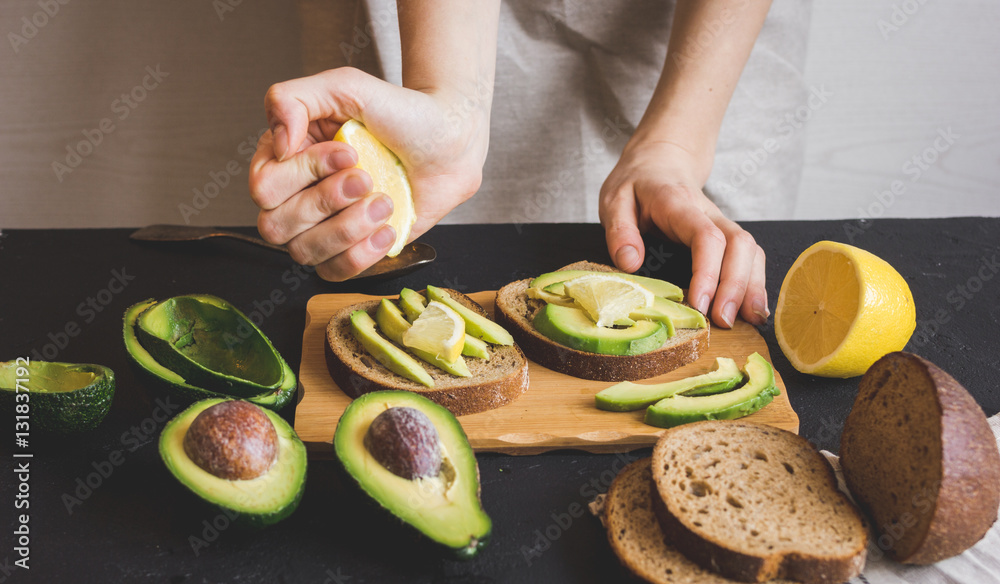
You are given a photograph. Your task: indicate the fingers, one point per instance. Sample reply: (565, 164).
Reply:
(292, 105)
(619, 217)
(313, 205)
(273, 182)
(741, 285)
(357, 233)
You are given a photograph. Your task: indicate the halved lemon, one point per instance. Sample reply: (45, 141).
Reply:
(388, 176)
(608, 298)
(840, 309)
(439, 330)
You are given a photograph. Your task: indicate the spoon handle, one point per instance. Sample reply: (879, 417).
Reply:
(252, 239)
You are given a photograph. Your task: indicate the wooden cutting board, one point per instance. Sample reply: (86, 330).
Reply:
(556, 412)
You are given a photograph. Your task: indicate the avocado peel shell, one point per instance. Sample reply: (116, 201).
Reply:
(165, 379)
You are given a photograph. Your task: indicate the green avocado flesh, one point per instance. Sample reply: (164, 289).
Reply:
(667, 311)
(413, 303)
(395, 359)
(758, 391)
(61, 397)
(476, 324)
(445, 508)
(259, 501)
(393, 324)
(657, 287)
(211, 344)
(177, 385)
(628, 396)
(573, 328)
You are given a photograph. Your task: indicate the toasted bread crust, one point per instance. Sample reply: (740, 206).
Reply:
(831, 516)
(494, 383)
(954, 503)
(515, 312)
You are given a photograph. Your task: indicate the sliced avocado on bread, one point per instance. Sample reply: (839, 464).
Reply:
(520, 303)
(920, 459)
(494, 375)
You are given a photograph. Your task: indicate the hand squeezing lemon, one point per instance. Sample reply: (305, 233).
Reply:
(388, 176)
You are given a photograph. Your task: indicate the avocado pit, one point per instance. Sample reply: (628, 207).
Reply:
(232, 440)
(405, 441)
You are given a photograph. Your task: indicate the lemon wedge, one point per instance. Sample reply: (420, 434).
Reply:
(388, 176)
(840, 309)
(438, 330)
(608, 298)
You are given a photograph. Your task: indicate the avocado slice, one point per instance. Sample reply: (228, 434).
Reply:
(628, 396)
(446, 508)
(178, 386)
(259, 501)
(64, 397)
(413, 303)
(679, 315)
(573, 328)
(657, 287)
(390, 320)
(476, 324)
(758, 391)
(395, 359)
(211, 344)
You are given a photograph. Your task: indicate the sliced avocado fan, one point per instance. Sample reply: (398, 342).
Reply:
(61, 397)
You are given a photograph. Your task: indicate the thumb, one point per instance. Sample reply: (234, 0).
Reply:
(291, 105)
(619, 217)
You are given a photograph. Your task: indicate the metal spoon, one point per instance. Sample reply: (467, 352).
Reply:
(412, 257)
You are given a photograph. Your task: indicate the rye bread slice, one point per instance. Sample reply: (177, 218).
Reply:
(920, 459)
(516, 312)
(636, 537)
(755, 503)
(495, 382)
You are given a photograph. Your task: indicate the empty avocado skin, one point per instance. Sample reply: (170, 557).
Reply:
(444, 508)
(176, 385)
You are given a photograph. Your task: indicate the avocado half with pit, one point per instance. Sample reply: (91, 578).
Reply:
(189, 390)
(242, 458)
(413, 458)
(56, 397)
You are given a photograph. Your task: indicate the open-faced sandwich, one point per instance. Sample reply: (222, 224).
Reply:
(592, 321)
(440, 344)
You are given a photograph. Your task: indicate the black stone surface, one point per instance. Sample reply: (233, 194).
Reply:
(134, 523)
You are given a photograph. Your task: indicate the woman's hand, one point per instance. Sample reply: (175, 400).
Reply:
(659, 184)
(313, 199)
